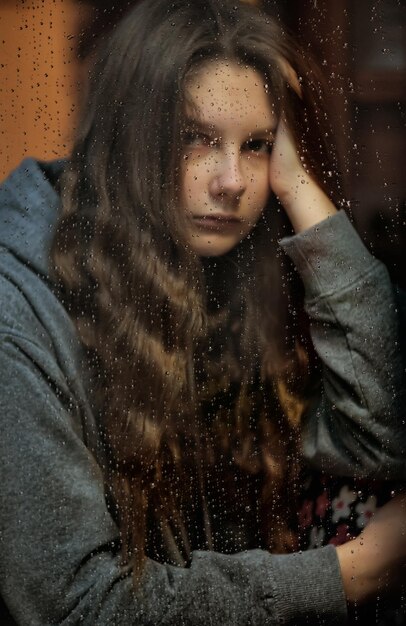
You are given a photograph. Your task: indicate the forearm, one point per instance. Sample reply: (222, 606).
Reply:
(355, 424)
(370, 563)
(362, 579)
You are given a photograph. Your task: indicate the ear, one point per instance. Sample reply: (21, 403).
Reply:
(290, 75)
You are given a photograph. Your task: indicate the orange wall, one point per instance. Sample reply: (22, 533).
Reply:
(38, 78)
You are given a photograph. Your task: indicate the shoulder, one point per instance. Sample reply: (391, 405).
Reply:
(45, 379)
(36, 332)
(28, 305)
(29, 208)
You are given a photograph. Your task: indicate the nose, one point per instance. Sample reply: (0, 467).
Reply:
(228, 179)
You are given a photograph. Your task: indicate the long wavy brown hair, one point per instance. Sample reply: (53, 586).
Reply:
(204, 365)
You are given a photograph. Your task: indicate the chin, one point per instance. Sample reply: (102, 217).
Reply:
(211, 248)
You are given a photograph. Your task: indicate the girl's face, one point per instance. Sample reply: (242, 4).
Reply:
(227, 145)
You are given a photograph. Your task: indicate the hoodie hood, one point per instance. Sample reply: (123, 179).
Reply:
(29, 208)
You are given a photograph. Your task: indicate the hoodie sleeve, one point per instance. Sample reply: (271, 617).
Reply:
(59, 561)
(356, 426)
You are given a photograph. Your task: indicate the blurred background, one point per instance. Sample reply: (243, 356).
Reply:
(46, 48)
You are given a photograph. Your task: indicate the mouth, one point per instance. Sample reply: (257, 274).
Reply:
(216, 221)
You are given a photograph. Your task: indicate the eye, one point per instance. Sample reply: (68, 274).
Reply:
(258, 146)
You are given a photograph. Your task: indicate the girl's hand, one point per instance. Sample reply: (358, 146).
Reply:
(286, 170)
(302, 198)
(371, 563)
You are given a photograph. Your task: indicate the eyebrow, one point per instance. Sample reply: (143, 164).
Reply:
(195, 122)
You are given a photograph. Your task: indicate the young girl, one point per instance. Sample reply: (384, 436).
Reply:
(160, 390)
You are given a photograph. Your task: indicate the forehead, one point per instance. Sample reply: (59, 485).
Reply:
(222, 92)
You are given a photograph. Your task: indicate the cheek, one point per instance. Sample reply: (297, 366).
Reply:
(188, 185)
(258, 188)
(194, 178)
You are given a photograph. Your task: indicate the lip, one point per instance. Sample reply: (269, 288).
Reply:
(216, 221)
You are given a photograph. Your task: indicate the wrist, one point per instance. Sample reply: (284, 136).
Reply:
(365, 570)
(305, 203)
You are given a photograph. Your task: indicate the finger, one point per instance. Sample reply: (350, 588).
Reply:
(290, 75)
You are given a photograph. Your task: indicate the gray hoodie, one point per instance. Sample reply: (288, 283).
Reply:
(59, 560)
